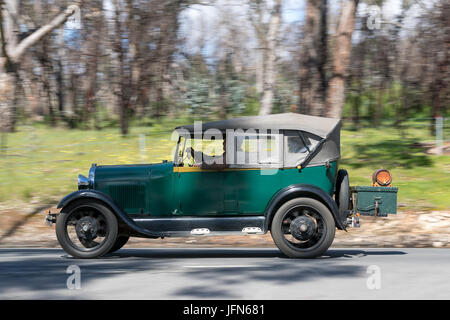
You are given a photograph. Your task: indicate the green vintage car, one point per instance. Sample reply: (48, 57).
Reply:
(240, 176)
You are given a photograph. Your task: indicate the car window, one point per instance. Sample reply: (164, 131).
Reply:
(257, 150)
(295, 145)
(295, 148)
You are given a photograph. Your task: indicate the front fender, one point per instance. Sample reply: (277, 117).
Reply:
(302, 190)
(117, 210)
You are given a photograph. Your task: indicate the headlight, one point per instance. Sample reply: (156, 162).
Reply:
(87, 183)
(83, 182)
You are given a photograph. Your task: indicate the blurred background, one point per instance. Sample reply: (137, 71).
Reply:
(106, 81)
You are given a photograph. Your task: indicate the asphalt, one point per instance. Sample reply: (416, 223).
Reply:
(230, 273)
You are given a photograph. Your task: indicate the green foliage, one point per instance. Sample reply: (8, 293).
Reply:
(205, 97)
(198, 96)
(251, 106)
(391, 102)
(283, 100)
(236, 96)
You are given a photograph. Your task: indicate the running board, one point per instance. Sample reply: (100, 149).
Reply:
(189, 226)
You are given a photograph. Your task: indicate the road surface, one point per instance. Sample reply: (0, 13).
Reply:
(231, 273)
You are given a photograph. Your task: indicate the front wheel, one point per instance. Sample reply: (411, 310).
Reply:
(303, 228)
(86, 229)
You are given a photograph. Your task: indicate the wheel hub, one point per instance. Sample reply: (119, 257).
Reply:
(303, 228)
(87, 228)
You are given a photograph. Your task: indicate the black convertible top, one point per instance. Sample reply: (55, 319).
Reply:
(320, 126)
(327, 129)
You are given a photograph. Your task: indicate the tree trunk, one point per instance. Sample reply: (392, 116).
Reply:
(60, 75)
(379, 106)
(357, 105)
(312, 79)
(124, 116)
(166, 47)
(46, 66)
(439, 84)
(91, 81)
(260, 71)
(125, 60)
(75, 119)
(342, 48)
(7, 88)
(60, 88)
(8, 31)
(270, 74)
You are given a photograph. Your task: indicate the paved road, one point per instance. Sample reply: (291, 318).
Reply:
(228, 274)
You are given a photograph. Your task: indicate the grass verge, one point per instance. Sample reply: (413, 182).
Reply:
(43, 163)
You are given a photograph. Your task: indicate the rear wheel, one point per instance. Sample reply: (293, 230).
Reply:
(86, 229)
(303, 228)
(120, 242)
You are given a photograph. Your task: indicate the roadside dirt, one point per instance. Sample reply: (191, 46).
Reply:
(25, 227)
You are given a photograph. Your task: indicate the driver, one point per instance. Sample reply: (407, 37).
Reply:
(206, 161)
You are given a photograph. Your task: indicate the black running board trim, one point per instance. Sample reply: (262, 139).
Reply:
(182, 226)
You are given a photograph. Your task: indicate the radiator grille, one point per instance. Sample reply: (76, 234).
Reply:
(128, 196)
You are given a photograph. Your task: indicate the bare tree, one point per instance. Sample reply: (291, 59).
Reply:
(92, 55)
(441, 59)
(267, 34)
(124, 88)
(313, 58)
(13, 50)
(341, 56)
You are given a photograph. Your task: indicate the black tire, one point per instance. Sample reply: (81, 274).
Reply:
(324, 228)
(342, 195)
(120, 242)
(70, 217)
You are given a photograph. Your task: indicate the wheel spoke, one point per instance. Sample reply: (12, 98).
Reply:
(311, 215)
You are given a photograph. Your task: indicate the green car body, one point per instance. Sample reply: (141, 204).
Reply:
(165, 190)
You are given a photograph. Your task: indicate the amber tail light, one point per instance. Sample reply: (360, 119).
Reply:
(382, 178)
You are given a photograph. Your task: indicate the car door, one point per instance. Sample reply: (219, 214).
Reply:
(198, 191)
(256, 174)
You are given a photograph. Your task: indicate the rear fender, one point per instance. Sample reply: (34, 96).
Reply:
(302, 190)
